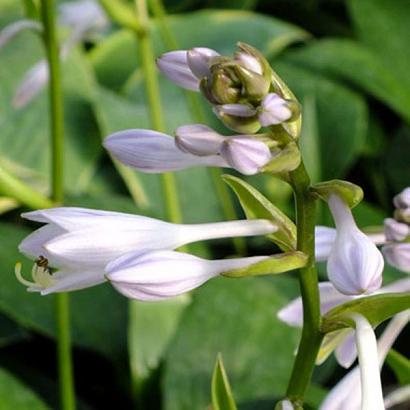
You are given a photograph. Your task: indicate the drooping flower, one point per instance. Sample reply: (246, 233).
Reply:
(12, 29)
(342, 342)
(158, 275)
(79, 242)
(154, 152)
(347, 394)
(355, 265)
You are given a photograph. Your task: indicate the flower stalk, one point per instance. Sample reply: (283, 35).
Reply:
(308, 282)
(67, 395)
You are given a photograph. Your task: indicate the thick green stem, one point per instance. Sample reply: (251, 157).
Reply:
(57, 187)
(308, 282)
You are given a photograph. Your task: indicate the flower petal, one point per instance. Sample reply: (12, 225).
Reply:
(154, 152)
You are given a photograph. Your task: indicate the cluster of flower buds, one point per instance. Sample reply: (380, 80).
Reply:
(245, 92)
(397, 232)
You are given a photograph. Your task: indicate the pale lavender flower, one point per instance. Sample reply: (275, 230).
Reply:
(160, 275)
(198, 139)
(355, 265)
(234, 110)
(246, 155)
(186, 68)
(151, 151)
(397, 254)
(395, 231)
(343, 341)
(273, 110)
(250, 62)
(79, 242)
(402, 200)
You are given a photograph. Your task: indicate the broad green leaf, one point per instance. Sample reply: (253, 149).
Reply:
(151, 328)
(372, 73)
(375, 309)
(255, 205)
(341, 117)
(383, 26)
(14, 395)
(238, 319)
(25, 138)
(222, 397)
(280, 263)
(400, 366)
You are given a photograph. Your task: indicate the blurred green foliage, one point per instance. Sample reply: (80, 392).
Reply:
(348, 62)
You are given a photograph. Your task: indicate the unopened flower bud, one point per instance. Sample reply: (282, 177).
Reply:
(247, 155)
(174, 65)
(398, 255)
(355, 264)
(274, 110)
(250, 62)
(238, 117)
(198, 139)
(402, 200)
(395, 231)
(254, 86)
(199, 59)
(285, 405)
(402, 215)
(221, 89)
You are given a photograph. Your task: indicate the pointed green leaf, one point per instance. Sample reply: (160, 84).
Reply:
(255, 205)
(222, 398)
(400, 366)
(280, 263)
(375, 309)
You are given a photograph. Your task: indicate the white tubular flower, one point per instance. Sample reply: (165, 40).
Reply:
(341, 342)
(79, 242)
(246, 155)
(198, 139)
(347, 394)
(402, 200)
(11, 30)
(273, 110)
(160, 275)
(186, 68)
(371, 385)
(398, 255)
(355, 265)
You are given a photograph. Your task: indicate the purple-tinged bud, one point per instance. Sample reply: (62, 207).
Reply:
(246, 155)
(402, 200)
(395, 231)
(355, 265)
(199, 59)
(198, 139)
(402, 215)
(250, 62)
(174, 65)
(398, 255)
(235, 110)
(274, 110)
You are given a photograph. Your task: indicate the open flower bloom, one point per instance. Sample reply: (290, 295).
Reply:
(158, 275)
(187, 67)
(79, 242)
(347, 394)
(154, 152)
(355, 265)
(342, 342)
